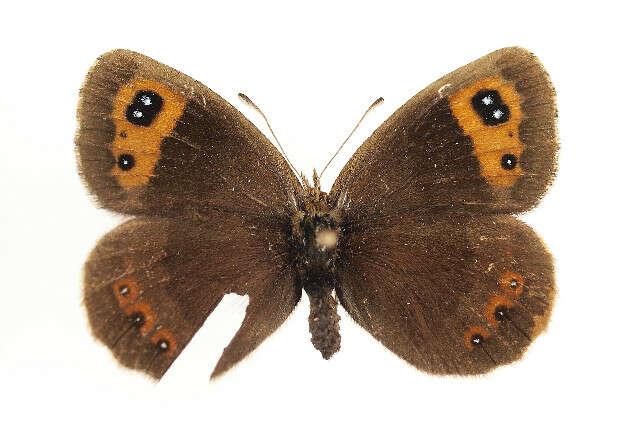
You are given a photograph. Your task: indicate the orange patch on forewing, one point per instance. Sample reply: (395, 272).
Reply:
(125, 290)
(491, 143)
(490, 308)
(145, 309)
(474, 330)
(511, 283)
(142, 142)
(167, 336)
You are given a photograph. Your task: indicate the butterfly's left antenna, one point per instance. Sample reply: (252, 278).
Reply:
(373, 105)
(248, 101)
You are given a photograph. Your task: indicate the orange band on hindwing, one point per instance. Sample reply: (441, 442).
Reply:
(489, 112)
(144, 112)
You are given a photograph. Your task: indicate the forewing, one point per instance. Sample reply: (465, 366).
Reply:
(151, 283)
(481, 140)
(153, 141)
(451, 296)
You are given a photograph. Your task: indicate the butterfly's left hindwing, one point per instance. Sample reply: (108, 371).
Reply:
(450, 296)
(151, 283)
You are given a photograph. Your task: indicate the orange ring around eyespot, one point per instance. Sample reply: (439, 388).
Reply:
(490, 308)
(165, 334)
(145, 309)
(505, 280)
(474, 330)
(132, 290)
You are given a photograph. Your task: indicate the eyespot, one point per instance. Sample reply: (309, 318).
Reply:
(144, 108)
(125, 290)
(142, 316)
(164, 341)
(474, 336)
(509, 162)
(511, 283)
(496, 308)
(489, 106)
(126, 162)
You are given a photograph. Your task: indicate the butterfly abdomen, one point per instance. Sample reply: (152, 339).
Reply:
(316, 237)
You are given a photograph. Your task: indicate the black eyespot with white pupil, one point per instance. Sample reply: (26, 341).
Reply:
(477, 339)
(124, 290)
(144, 108)
(126, 162)
(509, 161)
(138, 319)
(513, 284)
(500, 313)
(163, 345)
(489, 106)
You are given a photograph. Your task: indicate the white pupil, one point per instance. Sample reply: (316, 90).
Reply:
(137, 114)
(497, 114)
(146, 100)
(487, 100)
(163, 345)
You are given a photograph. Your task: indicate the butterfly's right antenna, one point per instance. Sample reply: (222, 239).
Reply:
(373, 105)
(248, 101)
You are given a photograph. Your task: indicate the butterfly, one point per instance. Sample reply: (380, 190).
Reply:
(417, 238)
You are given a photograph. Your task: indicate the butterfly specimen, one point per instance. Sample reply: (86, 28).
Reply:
(417, 236)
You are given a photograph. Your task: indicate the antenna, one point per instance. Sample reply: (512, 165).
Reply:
(373, 105)
(248, 101)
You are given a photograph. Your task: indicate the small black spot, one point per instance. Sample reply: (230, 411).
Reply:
(144, 107)
(124, 290)
(126, 162)
(138, 319)
(514, 283)
(510, 134)
(163, 345)
(500, 313)
(123, 134)
(489, 105)
(509, 161)
(477, 339)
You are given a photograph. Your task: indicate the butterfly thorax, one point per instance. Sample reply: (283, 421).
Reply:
(316, 237)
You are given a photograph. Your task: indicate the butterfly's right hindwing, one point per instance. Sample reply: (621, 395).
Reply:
(452, 296)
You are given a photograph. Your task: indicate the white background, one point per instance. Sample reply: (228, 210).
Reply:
(314, 69)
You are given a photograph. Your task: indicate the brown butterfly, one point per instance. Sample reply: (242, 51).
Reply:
(416, 236)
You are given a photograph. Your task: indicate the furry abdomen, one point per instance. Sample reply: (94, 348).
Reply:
(316, 237)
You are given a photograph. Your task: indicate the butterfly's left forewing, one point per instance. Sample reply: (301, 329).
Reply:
(153, 141)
